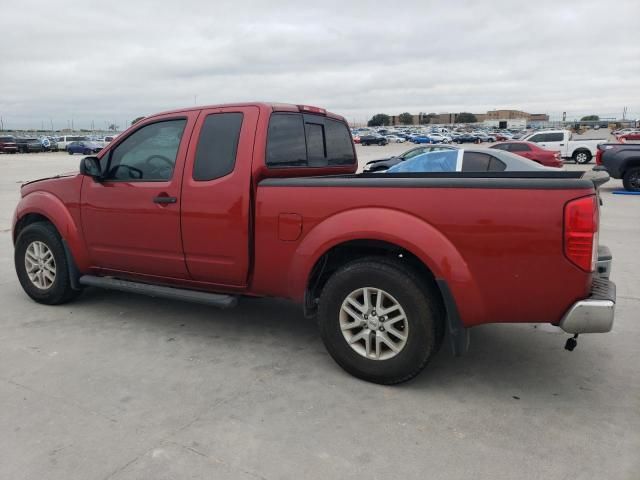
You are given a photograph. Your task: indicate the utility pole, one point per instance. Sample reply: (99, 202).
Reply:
(1, 125)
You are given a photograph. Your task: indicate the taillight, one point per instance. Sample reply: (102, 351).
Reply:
(581, 232)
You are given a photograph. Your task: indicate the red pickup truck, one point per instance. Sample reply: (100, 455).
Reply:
(214, 203)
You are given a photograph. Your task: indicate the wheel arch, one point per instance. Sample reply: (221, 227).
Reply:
(45, 207)
(349, 235)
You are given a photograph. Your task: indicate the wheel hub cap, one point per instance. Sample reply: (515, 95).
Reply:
(373, 323)
(40, 265)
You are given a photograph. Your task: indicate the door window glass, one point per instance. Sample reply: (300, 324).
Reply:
(148, 154)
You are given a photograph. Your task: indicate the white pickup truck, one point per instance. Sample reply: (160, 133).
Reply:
(581, 151)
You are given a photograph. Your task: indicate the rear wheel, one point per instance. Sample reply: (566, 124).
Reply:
(41, 265)
(582, 156)
(69, 152)
(631, 179)
(379, 321)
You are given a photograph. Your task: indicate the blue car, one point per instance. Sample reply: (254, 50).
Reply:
(83, 147)
(422, 139)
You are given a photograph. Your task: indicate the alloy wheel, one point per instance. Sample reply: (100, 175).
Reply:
(373, 323)
(40, 265)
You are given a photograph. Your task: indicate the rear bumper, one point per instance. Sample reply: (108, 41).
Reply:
(594, 314)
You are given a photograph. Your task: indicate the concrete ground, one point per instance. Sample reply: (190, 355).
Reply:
(118, 386)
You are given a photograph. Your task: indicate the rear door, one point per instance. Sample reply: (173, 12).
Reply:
(216, 198)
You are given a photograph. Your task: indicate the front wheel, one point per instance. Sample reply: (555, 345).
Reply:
(582, 156)
(379, 321)
(631, 179)
(69, 152)
(41, 265)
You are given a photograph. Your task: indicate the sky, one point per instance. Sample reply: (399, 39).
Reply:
(97, 63)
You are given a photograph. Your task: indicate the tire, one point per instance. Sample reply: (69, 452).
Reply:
(582, 156)
(423, 312)
(59, 290)
(631, 179)
(69, 152)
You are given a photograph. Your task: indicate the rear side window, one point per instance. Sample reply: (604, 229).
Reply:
(519, 147)
(296, 140)
(496, 165)
(475, 162)
(217, 146)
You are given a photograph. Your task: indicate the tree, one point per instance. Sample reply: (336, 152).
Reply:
(136, 120)
(113, 127)
(466, 117)
(406, 118)
(379, 119)
(590, 118)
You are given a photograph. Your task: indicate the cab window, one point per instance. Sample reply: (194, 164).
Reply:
(297, 140)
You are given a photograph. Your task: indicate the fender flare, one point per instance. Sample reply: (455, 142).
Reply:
(53, 209)
(396, 227)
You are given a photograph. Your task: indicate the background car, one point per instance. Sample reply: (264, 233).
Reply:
(49, 144)
(373, 140)
(8, 144)
(635, 135)
(439, 138)
(395, 139)
(83, 147)
(377, 166)
(28, 145)
(65, 140)
(532, 151)
(466, 138)
(422, 139)
(485, 137)
(473, 160)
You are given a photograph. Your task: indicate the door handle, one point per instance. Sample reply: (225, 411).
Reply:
(164, 199)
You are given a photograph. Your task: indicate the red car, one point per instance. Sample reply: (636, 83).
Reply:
(532, 151)
(8, 144)
(630, 136)
(213, 204)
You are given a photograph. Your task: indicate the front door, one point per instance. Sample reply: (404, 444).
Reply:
(131, 219)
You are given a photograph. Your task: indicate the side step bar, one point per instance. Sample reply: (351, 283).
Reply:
(213, 299)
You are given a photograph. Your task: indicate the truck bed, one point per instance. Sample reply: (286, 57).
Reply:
(496, 237)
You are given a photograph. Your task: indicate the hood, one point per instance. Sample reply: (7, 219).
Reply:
(31, 182)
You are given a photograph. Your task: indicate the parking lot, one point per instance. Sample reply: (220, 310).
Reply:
(118, 386)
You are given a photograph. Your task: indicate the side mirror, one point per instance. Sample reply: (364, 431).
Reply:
(90, 166)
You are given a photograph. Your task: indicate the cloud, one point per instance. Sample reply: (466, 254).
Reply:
(92, 61)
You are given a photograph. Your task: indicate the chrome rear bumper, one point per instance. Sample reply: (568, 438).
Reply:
(594, 314)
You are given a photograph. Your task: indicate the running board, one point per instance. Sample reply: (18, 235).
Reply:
(194, 296)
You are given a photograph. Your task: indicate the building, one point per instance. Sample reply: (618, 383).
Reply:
(498, 118)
